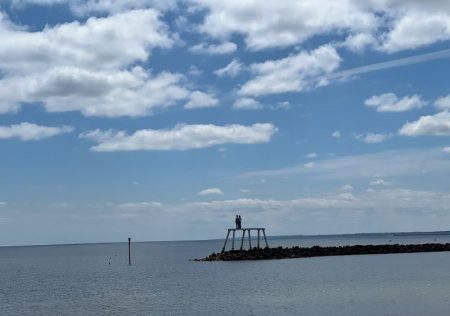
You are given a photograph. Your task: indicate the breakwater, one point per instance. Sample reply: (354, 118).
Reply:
(319, 251)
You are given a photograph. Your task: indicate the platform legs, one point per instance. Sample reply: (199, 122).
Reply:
(226, 240)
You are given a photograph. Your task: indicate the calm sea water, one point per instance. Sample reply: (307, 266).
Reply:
(95, 279)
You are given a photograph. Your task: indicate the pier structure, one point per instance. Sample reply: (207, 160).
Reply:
(244, 230)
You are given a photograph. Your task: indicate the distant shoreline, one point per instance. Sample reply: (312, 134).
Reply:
(393, 234)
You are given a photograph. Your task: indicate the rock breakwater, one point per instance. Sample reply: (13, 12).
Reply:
(319, 251)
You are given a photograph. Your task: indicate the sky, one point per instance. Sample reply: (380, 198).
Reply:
(161, 120)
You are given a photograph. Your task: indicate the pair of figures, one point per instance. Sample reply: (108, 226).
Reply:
(238, 221)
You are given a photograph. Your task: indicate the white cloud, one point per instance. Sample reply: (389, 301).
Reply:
(389, 102)
(347, 196)
(379, 182)
(87, 67)
(388, 25)
(446, 150)
(2, 203)
(232, 69)
(292, 74)
(85, 7)
(182, 137)
(310, 164)
(96, 93)
(346, 187)
(201, 100)
(358, 42)
(247, 104)
(211, 49)
(211, 191)
(443, 103)
(336, 134)
(274, 23)
(373, 138)
(109, 42)
(437, 125)
(28, 131)
(417, 28)
(194, 71)
(311, 155)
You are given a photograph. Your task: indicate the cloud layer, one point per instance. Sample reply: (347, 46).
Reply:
(182, 137)
(29, 131)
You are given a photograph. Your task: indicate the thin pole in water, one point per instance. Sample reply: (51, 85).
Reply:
(129, 251)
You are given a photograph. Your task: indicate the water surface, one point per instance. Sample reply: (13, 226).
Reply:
(95, 279)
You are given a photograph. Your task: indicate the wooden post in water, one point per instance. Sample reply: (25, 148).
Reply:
(232, 244)
(258, 238)
(225, 243)
(242, 240)
(129, 251)
(265, 239)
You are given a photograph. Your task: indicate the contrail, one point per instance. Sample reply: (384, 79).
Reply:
(445, 53)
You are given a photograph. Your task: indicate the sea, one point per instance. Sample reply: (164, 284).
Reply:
(95, 279)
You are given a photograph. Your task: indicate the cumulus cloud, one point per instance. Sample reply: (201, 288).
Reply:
(311, 155)
(358, 42)
(211, 191)
(109, 42)
(417, 28)
(443, 103)
(28, 131)
(389, 102)
(295, 73)
(446, 150)
(182, 137)
(87, 67)
(275, 23)
(232, 69)
(247, 104)
(436, 125)
(388, 26)
(201, 100)
(96, 93)
(212, 49)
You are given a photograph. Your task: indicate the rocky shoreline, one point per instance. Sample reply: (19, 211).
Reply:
(318, 251)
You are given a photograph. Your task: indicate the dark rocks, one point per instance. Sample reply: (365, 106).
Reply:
(318, 251)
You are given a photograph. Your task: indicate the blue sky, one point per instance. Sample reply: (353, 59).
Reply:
(161, 120)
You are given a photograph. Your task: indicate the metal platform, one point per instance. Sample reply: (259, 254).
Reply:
(248, 230)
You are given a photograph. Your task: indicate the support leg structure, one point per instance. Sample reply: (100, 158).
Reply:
(226, 239)
(265, 239)
(242, 240)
